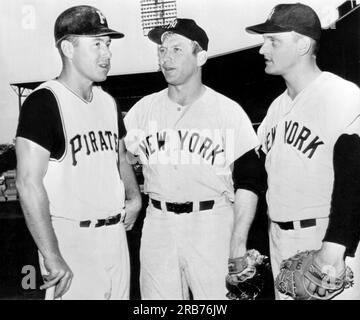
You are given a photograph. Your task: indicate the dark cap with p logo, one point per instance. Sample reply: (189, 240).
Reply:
(83, 21)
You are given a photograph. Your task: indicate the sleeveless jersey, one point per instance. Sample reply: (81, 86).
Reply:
(85, 182)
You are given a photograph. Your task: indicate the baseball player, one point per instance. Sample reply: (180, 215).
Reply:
(298, 136)
(187, 136)
(72, 175)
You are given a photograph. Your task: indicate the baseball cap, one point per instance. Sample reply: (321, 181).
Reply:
(185, 27)
(290, 17)
(83, 21)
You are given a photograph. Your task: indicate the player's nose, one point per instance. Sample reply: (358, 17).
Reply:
(106, 53)
(266, 47)
(262, 49)
(166, 57)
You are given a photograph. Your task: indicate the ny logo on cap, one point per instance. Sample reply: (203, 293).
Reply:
(101, 16)
(172, 24)
(271, 14)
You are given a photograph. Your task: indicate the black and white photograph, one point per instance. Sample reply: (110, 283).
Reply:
(180, 150)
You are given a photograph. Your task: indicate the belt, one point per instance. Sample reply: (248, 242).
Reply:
(101, 222)
(291, 225)
(185, 207)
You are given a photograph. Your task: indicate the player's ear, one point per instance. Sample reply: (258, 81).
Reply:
(201, 58)
(303, 45)
(67, 48)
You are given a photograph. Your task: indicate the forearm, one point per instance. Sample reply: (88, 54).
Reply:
(244, 212)
(132, 190)
(35, 206)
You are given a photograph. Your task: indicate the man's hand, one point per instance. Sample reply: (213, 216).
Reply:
(247, 276)
(331, 254)
(331, 258)
(307, 276)
(132, 209)
(60, 276)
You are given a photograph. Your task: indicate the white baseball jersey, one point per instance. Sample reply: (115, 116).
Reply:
(186, 154)
(187, 151)
(298, 137)
(354, 127)
(85, 184)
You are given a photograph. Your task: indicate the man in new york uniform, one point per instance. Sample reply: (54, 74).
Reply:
(187, 137)
(298, 136)
(72, 173)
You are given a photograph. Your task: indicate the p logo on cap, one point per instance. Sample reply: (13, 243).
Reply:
(101, 16)
(83, 21)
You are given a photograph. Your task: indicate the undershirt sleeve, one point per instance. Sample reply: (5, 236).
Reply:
(344, 223)
(121, 125)
(40, 122)
(249, 173)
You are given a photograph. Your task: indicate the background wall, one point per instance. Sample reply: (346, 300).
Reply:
(27, 51)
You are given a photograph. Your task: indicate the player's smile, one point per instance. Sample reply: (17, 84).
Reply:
(105, 65)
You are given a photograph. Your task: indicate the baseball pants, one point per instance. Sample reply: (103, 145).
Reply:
(98, 258)
(286, 243)
(185, 251)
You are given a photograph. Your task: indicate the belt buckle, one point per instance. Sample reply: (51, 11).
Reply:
(108, 221)
(184, 207)
(100, 223)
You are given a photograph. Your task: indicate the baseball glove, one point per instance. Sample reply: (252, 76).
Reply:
(302, 278)
(247, 276)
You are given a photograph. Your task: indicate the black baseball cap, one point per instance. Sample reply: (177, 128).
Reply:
(83, 21)
(290, 17)
(185, 27)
